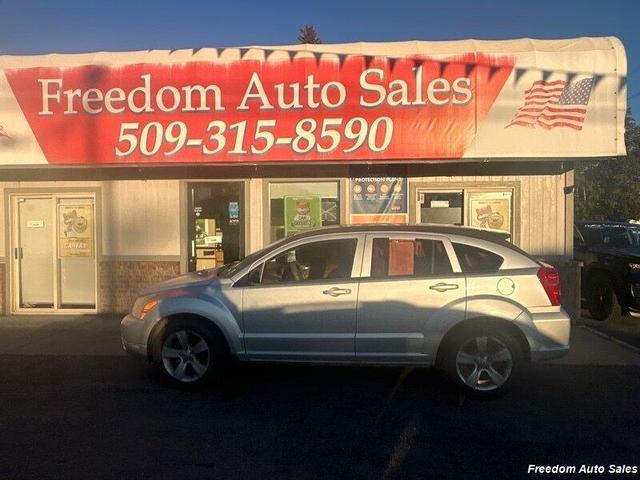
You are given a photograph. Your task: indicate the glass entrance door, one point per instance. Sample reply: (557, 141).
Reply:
(76, 263)
(216, 224)
(34, 253)
(53, 253)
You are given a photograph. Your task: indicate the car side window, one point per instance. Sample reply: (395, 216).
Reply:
(592, 235)
(324, 260)
(477, 260)
(409, 258)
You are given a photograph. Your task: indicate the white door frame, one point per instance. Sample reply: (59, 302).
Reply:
(15, 244)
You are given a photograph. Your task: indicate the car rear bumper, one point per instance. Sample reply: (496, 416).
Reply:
(550, 335)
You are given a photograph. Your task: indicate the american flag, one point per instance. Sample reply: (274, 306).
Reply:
(554, 104)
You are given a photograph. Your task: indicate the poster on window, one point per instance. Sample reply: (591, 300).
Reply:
(490, 211)
(75, 231)
(379, 200)
(234, 213)
(330, 212)
(206, 232)
(301, 213)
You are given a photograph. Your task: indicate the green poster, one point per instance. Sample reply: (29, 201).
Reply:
(302, 213)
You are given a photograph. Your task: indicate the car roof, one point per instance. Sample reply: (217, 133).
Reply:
(489, 235)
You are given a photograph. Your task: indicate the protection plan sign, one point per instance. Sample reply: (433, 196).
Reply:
(259, 105)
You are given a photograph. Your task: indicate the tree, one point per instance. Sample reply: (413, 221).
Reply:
(308, 34)
(610, 189)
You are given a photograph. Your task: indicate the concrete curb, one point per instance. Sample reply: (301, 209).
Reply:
(628, 346)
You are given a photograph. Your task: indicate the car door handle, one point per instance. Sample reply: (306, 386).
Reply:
(443, 287)
(336, 292)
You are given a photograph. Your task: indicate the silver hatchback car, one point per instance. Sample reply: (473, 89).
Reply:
(461, 299)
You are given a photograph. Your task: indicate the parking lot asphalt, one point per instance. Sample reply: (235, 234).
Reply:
(91, 335)
(75, 412)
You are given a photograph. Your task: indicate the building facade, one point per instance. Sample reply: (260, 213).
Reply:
(118, 170)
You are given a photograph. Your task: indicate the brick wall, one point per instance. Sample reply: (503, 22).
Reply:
(119, 281)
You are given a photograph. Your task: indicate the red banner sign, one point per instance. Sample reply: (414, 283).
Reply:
(317, 109)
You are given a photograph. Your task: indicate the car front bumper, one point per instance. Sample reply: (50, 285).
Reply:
(133, 335)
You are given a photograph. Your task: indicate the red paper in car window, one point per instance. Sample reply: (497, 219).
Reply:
(401, 257)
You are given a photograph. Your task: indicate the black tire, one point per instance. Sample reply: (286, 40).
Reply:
(486, 367)
(190, 354)
(602, 301)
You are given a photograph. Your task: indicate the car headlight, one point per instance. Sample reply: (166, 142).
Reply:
(143, 305)
(634, 266)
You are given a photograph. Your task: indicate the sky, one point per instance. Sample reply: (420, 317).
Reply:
(32, 27)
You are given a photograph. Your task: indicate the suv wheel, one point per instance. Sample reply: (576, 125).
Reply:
(482, 361)
(602, 301)
(190, 354)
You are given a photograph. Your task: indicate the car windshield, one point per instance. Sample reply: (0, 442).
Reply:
(230, 269)
(615, 236)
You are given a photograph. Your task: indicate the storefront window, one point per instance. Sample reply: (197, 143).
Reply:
(441, 207)
(299, 206)
(484, 209)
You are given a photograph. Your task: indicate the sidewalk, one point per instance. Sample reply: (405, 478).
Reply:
(590, 348)
(625, 328)
(94, 335)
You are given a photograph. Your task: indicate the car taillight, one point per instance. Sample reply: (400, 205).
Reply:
(550, 281)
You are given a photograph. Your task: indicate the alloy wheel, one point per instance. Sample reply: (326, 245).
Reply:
(186, 355)
(484, 363)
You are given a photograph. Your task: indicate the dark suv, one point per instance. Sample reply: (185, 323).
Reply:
(611, 272)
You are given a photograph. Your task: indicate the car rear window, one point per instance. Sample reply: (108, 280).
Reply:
(477, 260)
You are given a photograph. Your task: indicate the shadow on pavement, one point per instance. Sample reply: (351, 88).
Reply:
(100, 417)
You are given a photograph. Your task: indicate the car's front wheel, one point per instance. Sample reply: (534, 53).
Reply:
(190, 354)
(481, 361)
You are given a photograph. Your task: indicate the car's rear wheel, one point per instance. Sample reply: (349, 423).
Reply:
(602, 301)
(482, 361)
(190, 354)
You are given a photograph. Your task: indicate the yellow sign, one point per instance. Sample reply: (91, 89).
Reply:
(490, 211)
(75, 230)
